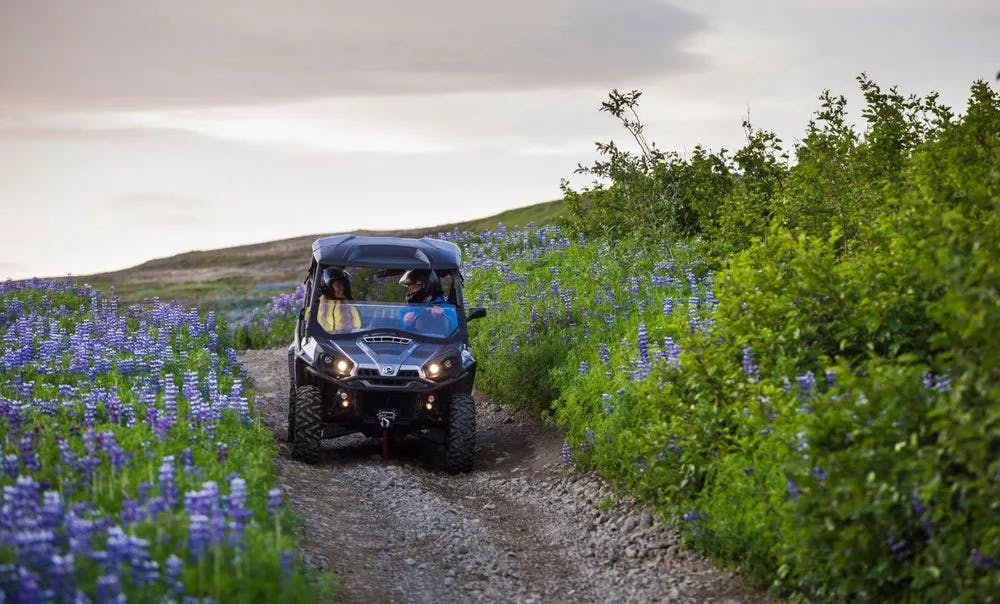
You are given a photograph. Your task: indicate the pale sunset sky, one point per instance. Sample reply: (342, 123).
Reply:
(131, 130)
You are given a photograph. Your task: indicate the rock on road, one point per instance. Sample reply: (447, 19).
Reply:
(517, 529)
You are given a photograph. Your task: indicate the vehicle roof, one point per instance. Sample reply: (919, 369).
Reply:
(387, 252)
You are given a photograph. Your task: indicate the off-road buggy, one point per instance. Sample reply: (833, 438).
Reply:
(376, 373)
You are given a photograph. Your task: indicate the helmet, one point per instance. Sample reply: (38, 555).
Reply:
(332, 274)
(430, 284)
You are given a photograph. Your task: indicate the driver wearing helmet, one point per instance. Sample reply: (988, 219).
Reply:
(334, 313)
(424, 287)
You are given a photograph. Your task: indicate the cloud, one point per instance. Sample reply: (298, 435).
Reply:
(161, 209)
(160, 53)
(11, 268)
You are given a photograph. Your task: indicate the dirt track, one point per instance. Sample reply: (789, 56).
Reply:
(518, 528)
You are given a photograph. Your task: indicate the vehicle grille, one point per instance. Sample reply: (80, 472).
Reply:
(387, 340)
(403, 373)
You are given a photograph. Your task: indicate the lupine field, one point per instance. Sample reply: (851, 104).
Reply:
(131, 469)
(796, 364)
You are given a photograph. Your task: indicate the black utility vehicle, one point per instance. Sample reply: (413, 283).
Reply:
(380, 365)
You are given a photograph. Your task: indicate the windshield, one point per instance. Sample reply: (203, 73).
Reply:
(341, 317)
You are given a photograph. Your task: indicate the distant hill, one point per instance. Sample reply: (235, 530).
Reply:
(235, 278)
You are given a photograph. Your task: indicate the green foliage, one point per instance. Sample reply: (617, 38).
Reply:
(873, 262)
(653, 194)
(830, 424)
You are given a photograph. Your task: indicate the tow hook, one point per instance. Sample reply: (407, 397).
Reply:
(385, 419)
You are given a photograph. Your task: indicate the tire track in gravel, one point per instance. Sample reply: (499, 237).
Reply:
(515, 529)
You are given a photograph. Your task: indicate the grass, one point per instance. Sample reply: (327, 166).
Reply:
(233, 280)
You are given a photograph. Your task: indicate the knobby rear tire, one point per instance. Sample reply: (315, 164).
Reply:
(460, 445)
(307, 424)
(290, 436)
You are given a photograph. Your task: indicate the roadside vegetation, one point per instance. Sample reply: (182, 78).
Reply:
(131, 467)
(790, 351)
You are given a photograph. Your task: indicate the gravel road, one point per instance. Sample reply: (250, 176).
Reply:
(517, 529)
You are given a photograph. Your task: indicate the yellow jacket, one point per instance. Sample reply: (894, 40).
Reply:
(336, 315)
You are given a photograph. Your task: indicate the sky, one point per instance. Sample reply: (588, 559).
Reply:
(137, 130)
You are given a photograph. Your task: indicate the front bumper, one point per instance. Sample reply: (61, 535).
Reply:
(358, 403)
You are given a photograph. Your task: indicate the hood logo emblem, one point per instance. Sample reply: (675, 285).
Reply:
(387, 370)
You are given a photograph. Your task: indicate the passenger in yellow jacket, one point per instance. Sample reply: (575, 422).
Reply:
(335, 313)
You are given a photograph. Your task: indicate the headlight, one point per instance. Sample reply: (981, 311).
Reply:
(336, 364)
(439, 368)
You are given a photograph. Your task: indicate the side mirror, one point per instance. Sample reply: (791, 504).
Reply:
(476, 312)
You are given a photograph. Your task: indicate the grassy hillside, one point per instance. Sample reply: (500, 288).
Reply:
(235, 278)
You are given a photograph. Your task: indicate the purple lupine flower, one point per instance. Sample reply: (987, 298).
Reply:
(239, 401)
(898, 548)
(118, 548)
(793, 490)
(116, 455)
(198, 534)
(29, 458)
(673, 447)
(216, 528)
(109, 589)
(584, 367)
(819, 474)
(588, 435)
(27, 589)
(633, 286)
(672, 350)
(175, 575)
(187, 458)
(566, 455)
(942, 383)
(145, 571)
(170, 399)
(981, 561)
(928, 380)
(168, 488)
(606, 404)
(831, 378)
(53, 510)
(668, 307)
(287, 558)
(643, 339)
(222, 452)
(60, 576)
(274, 501)
(749, 368)
(156, 506)
(34, 546)
(90, 442)
(602, 352)
(806, 383)
(692, 516)
(238, 512)
(130, 511)
(11, 465)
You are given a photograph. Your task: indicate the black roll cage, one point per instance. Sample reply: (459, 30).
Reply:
(391, 254)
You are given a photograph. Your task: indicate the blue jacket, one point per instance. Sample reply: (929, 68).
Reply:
(425, 309)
